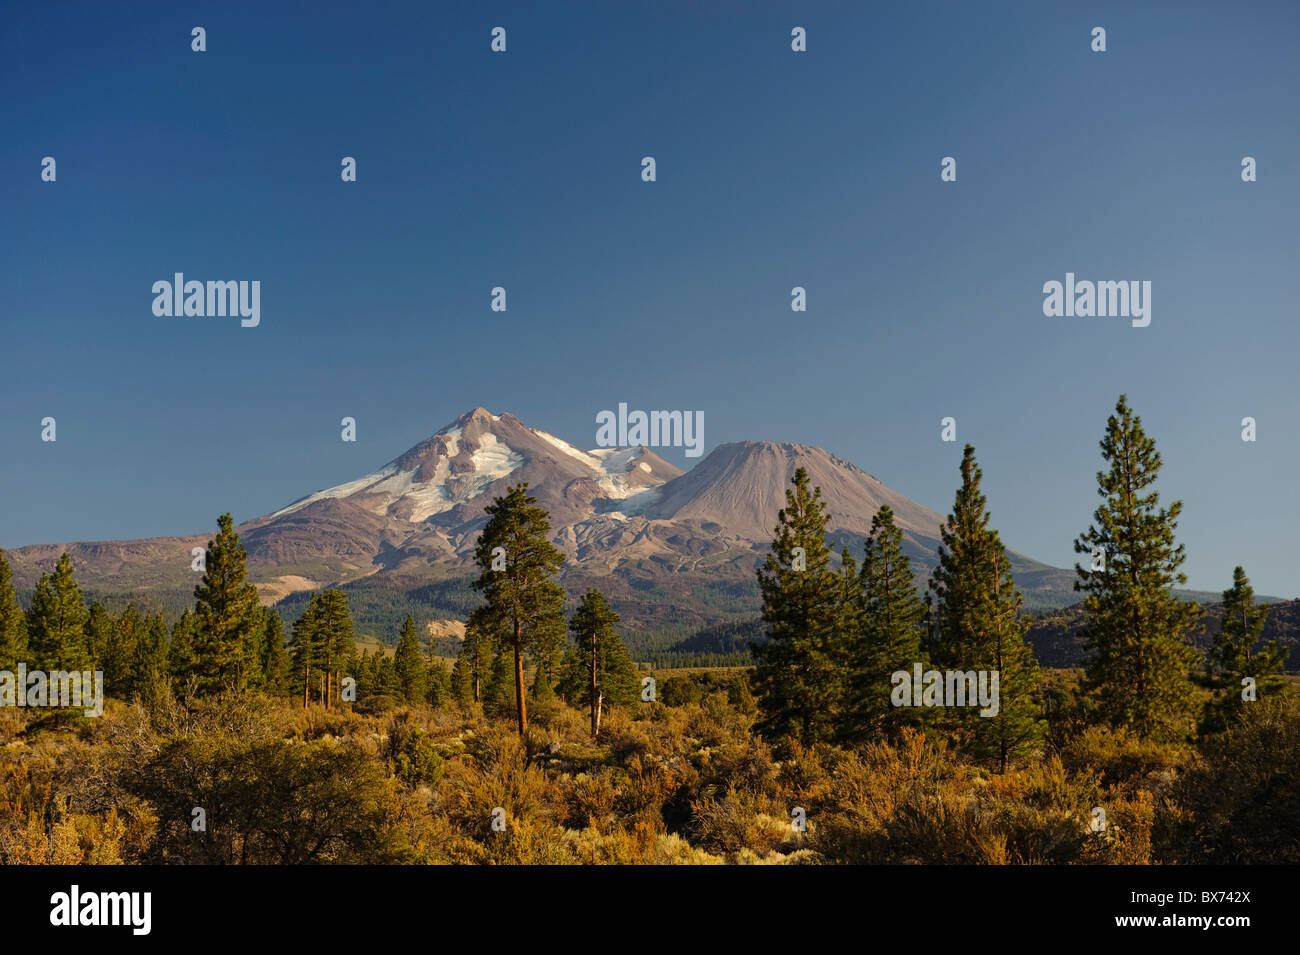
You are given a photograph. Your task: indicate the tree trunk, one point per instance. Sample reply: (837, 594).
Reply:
(306, 686)
(595, 693)
(519, 682)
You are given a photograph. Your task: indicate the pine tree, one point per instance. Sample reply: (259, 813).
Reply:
(523, 601)
(305, 649)
(98, 632)
(796, 675)
(500, 691)
(474, 658)
(56, 622)
(120, 654)
(408, 663)
(607, 671)
(889, 636)
(980, 629)
(386, 682)
(1136, 626)
(13, 622)
(1237, 655)
(149, 661)
(338, 641)
(275, 661)
(180, 651)
(226, 613)
(438, 681)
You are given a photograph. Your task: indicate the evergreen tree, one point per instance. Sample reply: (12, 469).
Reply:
(522, 600)
(1237, 655)
(980, 628)
(148, 672)
(13, 622)
(386, 682)
(338, 644)
(500, 691)
(438, 680)
(605, 667)
(275, 659)
(796, 676)
(305, 649)
(409, 665)
(1136, 626)
(98, 631)
(180, 652)
(226, 613)
(119, 656)
(474, 658)
(889, 637)
(56, 622)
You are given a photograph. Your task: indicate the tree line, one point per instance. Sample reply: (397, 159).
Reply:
(228, 642)
(837, 633)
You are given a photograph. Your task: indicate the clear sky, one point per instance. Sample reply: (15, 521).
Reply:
(775, 169)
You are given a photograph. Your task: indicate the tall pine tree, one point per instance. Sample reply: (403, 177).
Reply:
(226, 613)
(56, 622)
(889, 636)
(606, 672)
(797, 674)
(517, 561)
(1136, 627)
(408, 663)
(979, 628)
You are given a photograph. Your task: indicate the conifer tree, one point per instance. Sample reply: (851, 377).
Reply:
(1238, 654)
(1136, 628)
(500, 691)
(120, 654)
(337, 641)
(98, 630)
(56, 621)
(306, 649)
(474, 658)
(408, 663)
(148, 671)
(13, 622)
(889, 636)
(524, 603)
(438, 681)
(275, 661)
(386, 682)
(226, 613)
(180, 651)
(980, 629)
(796, 677)
(607, 672)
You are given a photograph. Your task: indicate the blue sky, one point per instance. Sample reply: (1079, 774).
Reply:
(775, 169)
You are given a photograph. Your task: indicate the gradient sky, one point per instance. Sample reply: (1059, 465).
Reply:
(775, 169)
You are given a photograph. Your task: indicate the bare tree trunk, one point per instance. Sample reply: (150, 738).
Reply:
(519, 682)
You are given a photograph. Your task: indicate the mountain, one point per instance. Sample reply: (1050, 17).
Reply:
(674, 551)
